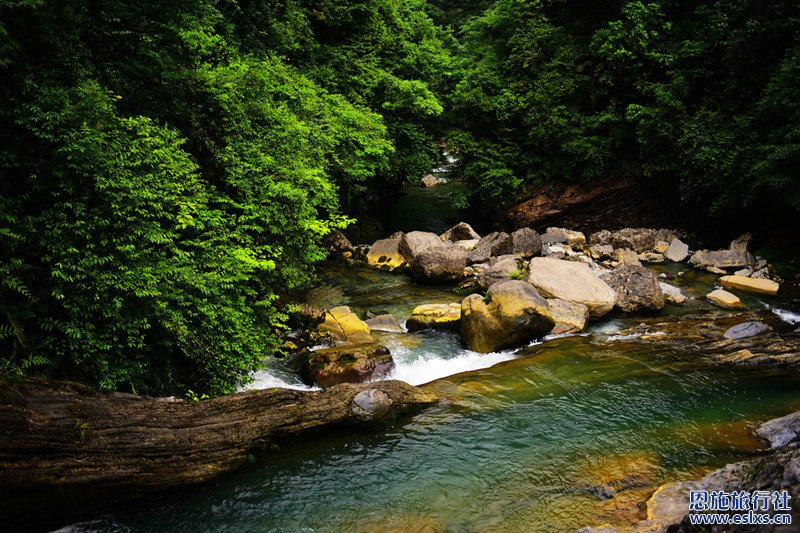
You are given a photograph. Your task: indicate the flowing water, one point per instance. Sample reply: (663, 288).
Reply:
(567, 432)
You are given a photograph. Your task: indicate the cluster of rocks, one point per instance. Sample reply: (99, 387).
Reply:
(523, 285)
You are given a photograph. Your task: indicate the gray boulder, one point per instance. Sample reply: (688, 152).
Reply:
(384, 323)
(414, 243)
(677, 251)
(492, 245)
(602, 237)
(637, 239)
(439, 264)
(722, 259)
(512, 313)
(370, 405)
(460, 232)
(502, 268)
(637, 288)
(525, 242)
(746, 330)
(571, 281)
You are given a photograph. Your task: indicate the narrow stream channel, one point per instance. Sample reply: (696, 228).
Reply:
(527, 441)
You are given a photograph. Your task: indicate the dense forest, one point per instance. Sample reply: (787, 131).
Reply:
(168, 170)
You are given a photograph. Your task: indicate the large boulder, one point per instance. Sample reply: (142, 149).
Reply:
(503, 268)
(602, 237)
(460, 232)
(343, 325)
(385, 253)
(637, 288)
(756, 285)
(570, 317)
(350, 363)
(722, 259)
(338, 245)
(512, 313)
(564, 236)
(678, 251)
(414, 243)
(492, 245)
(435, 316)
(573, 282)
(440, 264)
(385, 322)
(525, 242)
(637, 239)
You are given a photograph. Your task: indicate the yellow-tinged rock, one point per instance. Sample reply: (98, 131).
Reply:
(342, 324)
(757, 285)
(570, 317)
(725, 299)
(437, 316)
(385, 253)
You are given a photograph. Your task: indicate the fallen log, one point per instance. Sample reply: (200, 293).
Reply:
(65, 446)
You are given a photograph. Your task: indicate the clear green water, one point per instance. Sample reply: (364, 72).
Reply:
(517, 447)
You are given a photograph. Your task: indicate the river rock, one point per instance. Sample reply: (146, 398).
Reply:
(756, 285)
(672, 294)
(601, 237)
(494, 244)
(435, 316)
(573, 282)
(651, 257)
(637, 239)
(460, 232)
(504, 267)
(512, 313)
(570, 317)
(746, 330)
(385, 322)
(780, 431)
(370, 405)
(338, 245)
(661, 247)
(467, 245)
(343, 325)
(721, 259)
(761, 274)
(677, 251)
(741, 242)
(626, 256)
(601, 251)
(350, 363)
(637, 288)
(429, 180)
(525, 242)
(385, 253)
(725, 299)
(440, 264)
(414, 243)
(563, 235)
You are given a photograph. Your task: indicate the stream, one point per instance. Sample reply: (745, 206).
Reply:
(527, 440)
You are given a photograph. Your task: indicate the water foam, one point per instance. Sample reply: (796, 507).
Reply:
(787, 316)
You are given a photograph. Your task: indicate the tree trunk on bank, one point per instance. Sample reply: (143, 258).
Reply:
(64, 446)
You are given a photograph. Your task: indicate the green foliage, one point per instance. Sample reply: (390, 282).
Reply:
(168, 171)
(699, 96)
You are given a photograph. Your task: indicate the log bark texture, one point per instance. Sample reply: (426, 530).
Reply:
(65, 446)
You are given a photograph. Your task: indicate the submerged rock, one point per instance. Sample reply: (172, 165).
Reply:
(746, 330)
(756, 285)
(385, 322)
(573, 282)
(637, 288)
(512, 313)
(350, 363)
(385, 253)
(435, 316)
